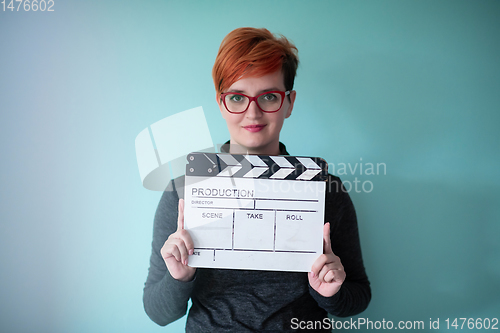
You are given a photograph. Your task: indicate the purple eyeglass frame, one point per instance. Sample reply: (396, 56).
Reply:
(282, 93)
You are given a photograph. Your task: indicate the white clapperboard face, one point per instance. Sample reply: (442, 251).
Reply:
(255, 212)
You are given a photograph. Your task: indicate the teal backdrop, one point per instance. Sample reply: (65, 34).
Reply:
(412, 86)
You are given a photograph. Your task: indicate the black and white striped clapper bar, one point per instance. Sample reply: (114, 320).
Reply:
(255, 212)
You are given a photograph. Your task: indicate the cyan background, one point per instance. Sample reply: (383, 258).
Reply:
(412, 84)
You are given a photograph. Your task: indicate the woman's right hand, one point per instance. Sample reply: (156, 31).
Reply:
(177, 248)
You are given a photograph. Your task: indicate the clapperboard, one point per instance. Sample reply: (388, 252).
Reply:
(255, 212)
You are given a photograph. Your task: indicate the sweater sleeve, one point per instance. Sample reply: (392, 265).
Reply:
(165, 299)
(355, 293)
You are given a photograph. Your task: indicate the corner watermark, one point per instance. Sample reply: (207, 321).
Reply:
(473, 324)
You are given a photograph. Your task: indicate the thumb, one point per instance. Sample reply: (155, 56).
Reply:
(180, 218)
(327, 243)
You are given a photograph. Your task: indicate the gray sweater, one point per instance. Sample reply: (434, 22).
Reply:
(225, 300)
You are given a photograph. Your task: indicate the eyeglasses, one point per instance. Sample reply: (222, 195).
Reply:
(269, 101)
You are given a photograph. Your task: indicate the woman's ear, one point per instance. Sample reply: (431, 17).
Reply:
(292, 96)
(221, 106)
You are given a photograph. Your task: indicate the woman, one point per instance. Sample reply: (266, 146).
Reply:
(253, 75)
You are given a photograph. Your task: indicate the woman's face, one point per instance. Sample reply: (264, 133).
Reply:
(257, 132)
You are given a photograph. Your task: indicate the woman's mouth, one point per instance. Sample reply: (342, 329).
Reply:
(254, 128)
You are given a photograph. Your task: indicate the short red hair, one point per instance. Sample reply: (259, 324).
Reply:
(252, 52)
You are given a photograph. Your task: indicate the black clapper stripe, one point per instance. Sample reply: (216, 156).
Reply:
(273, 167)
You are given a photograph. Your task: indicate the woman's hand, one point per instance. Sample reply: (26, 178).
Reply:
(327, 273)
(177, 248)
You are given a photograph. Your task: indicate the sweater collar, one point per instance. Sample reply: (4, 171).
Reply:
(225, 148)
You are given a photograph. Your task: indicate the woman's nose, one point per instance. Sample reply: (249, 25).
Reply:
(253, 110)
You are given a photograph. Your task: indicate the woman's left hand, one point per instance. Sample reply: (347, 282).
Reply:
(327, 273)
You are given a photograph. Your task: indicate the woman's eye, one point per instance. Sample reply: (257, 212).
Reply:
(270, 97)
(236, 98)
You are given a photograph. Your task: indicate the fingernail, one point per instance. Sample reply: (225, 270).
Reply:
(191, 252)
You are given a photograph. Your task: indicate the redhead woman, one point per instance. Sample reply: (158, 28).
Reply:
(254, 75)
